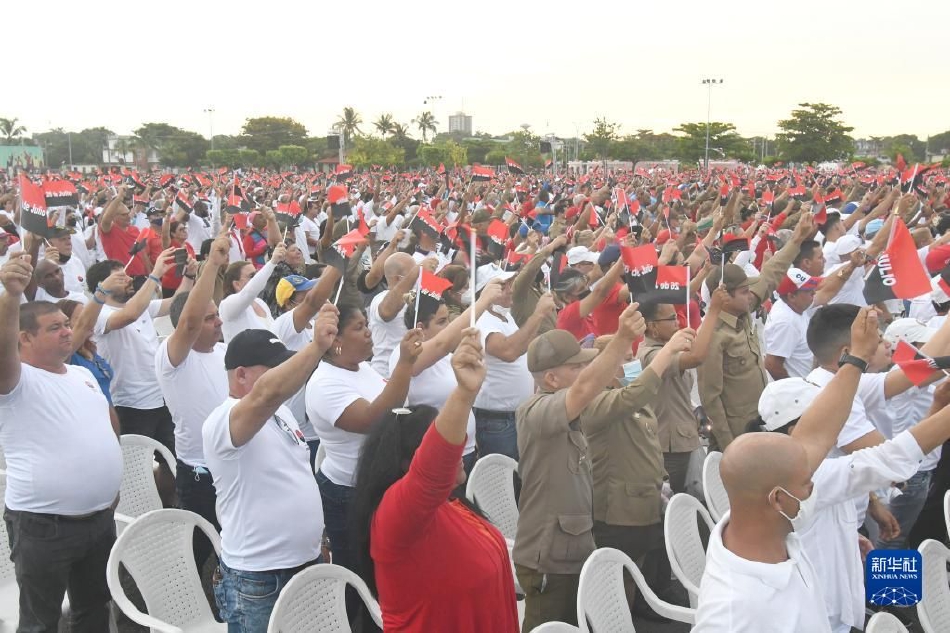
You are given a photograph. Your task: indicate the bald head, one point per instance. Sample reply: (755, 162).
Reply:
(49, 277)
(397, 265)
(755, 463)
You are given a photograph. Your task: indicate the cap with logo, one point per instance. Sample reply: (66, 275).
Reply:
(796, 279)
(255, 347)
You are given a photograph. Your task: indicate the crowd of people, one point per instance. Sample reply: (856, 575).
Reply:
(602, 329)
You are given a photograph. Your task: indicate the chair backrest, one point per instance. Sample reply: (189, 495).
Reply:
(716, 498)
(884, 622)
(946, 510)
(6, 565)
(684, 546)
(491, 486)
(556, 627)
(138, 493)
(156, 549)
(602, 601)
(314, 600)
(934, 606)
(320, 456)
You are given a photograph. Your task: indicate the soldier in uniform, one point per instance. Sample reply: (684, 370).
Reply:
(732, 377)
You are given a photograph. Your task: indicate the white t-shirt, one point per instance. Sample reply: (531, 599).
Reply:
(853, 289)
(432, 387)
(329, 392)
(442, 259)
(296, 341)
(907, 410)
(506, 385)
(858, 424)
(268, 502)
(42, 295)
(386, 334)
(74, 275)
(199, 230)
(785, 332)
(62, 454)
(131, 352)
(237, 310)
(192, 391)
(312, 230)
(386, 232)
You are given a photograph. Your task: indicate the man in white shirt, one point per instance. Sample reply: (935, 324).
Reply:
(49, 283)
(786, 350)
(757, 576)
(74, 271)
(126, 337)
(508, 382)
(267, 498)
(385, 314)
(64, 464)
(189, 365)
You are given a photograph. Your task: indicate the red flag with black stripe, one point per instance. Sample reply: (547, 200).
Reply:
(898, 273)
(497, 239)
(33, 216)
(671, 286)
(640, 265)
(481, 174)
(513, 167)
(918, 367)
(342, 172)
(60, 193)
(342, 250)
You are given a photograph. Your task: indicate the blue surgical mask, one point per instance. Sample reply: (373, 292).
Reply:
(631, 371)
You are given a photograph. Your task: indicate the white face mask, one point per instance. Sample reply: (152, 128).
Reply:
(500, 310)
(806, 510)
(466, 297)
(631, 371)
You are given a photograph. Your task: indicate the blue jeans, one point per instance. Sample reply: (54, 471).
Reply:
(495, 432)
(336, 517)
(906, 508)
(246, 598)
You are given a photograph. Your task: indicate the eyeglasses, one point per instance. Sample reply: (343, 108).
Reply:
(672, 318)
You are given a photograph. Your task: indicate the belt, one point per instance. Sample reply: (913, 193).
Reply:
(292, 570)
(66, 517)
(493, 412)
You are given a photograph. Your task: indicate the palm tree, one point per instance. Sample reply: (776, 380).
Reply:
(10, 131)
(350, 122)
(399, 132)
(121, 147)
(426, 123)
(384, 124)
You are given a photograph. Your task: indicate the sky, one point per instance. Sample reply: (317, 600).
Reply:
(555, 66)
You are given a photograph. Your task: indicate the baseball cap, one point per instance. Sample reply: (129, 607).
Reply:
(487, 272)
(937, 258)
(609, 255)
(847, 244)
(797, 279)
(555, 348)
(290, 284)
(579, 254)
(849, 208)
(732, 276)
(60, 231)
(785, 400)
(909, 331)
(255, 347)
(872, 227)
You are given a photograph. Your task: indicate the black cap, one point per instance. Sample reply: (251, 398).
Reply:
(255, 347)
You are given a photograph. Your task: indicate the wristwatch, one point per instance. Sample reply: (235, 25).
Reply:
(848, 359)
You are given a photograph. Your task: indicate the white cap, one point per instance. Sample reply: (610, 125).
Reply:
(908, 330)
(785, 400)
(847, 244)
(487, 272)
(580, 254)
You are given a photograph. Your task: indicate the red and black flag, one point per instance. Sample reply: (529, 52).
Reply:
(821, 211)
(339, 201)
(166, 180)
(768, 197)
(343, 172)
(898, 273)
(856, 165)
(513, 167)
(514, 260)
(640, 265)
(724, 194)
(671, 286)
(33, 216)
(834, 197)
(429, 289)
(912, 177)
(184, 202)
(135, 182)
(481, 174)
(548, 163)
(497, 239)
(288, 214)
(734, 244)
(900, 163)
(60, 193)
(341, 250)
(423, 222)
(237, 203)
(918, 367)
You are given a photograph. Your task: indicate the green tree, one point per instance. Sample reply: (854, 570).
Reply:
(814, 133)
(691, 146)
(893, 149)
(350, 122)
(400, 138)
(55, 144)
(295, 155)
(88, 145)
(11, 131)
(273, 158)
(939, 142)
(455, 154)
(224, 157)
(477, 149)
(368, 151)
(384, 124)
(249, 158)
(264, 133)
(603, 135)
(426, 123)
(176, 147)
(912, 148)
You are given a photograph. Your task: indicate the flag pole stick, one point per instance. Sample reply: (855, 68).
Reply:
(415, 319)
(687, 295)
(472, 263)
(339, 290)
(131, 259)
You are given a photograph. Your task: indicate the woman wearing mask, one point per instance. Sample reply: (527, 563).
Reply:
(432, 376)
(407, 528)
(242, 308)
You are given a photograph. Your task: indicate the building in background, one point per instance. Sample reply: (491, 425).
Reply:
(460, 123)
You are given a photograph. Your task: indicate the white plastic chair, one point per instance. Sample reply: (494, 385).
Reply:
(716, 498)
(314, 600)
(156, 550)
(884, 622)
(602, 600)
(934, 606)
(684, 546)
(319, 457)
(491, 486)
(138, 493)
(556, 627)
(946, 510)
(9, 591)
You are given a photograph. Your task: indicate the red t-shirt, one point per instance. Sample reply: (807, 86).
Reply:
(118, 242)
(570, 319)
(439, 567)
(607, 314)
(170, 280)
(695, 320)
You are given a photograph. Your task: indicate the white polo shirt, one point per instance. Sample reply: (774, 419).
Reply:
(192, 391)
(131, 352)
(742, 596)
(62, 454)
(506, 384)
(386, 334)
(785, 332)
(268, 502)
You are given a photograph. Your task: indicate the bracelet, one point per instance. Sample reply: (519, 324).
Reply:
(99, 288)
(155, 279)
(191, 277)
(98, 300)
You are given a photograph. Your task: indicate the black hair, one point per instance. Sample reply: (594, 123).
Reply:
(830, 329)
(348, 312)
(830, 223)
(99, 271)
(177, 307)
(805, 251)
(428, 307)
(943, 224)
(758, 426)
(649, 309)
(941, 308)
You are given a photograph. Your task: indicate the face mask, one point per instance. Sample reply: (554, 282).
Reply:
(501, 310)
(806, 511)
(631, 371)
(466, 297)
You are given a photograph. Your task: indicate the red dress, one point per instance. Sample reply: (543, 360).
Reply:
(439, 567)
